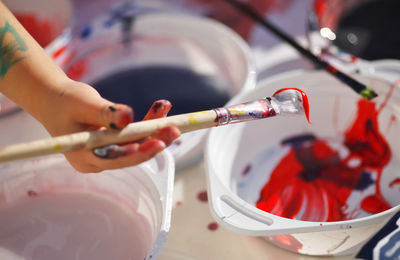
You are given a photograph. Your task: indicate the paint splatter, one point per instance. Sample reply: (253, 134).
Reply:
(313, 181)
(286, 241)
(394, 182)
(77, 70)
(32, 193)
(246, 169)
(202, 196)
(213, 226)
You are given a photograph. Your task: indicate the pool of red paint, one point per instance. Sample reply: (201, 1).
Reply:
(313, 179)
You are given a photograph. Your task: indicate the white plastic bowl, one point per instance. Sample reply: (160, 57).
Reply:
(239, 159)
(170, 39)
(120, 213)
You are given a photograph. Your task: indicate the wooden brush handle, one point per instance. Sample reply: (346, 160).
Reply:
(92, 139)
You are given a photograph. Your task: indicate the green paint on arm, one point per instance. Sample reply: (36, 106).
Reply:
(9, 50)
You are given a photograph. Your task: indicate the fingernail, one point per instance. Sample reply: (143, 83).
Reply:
(109, 151)
(161, 104)
(157, 105)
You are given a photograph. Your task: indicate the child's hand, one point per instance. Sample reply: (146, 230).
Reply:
(79, 108)
(30, 78)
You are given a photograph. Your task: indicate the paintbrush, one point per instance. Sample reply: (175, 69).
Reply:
(284, 102)
(357, 86)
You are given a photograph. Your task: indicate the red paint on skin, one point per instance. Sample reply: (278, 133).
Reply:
(167, 134)
(151, 146)
(312, 182)
(122, 115)
(202, 196)
(213, 226)
(305, 103)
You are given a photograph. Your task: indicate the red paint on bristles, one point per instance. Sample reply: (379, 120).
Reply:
(305, 103)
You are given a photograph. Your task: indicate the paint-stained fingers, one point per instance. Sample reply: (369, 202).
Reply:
(112, 151)
(160, 108)
(128, 154)
(116, 116)
(167, 134)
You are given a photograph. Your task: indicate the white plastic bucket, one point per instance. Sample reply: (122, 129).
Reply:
(201, 45)
(241, 159)
(49, 211)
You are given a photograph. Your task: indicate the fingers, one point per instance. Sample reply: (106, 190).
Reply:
(123, 155)
(167, 134)
(115, 116)
(117, 156)
(88, 108)
(160, 108)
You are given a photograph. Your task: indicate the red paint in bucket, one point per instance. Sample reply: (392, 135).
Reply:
(313, 182)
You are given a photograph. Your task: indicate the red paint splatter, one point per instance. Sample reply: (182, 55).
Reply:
(312, 182)
(246, 170)
(59, 51)
(202, 196)
(394, 182)
(77, 69)
(305, 103)
(41, 30)
(286, 241)
(213, 226)
(391, 122)
(32, 193)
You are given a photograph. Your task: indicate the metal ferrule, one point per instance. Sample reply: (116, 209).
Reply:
(253, 110)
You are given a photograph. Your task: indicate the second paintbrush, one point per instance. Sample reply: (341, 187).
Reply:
(357, 86)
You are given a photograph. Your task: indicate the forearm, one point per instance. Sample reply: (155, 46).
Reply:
(28, 76)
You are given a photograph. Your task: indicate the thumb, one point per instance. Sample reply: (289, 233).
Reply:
(115, 116)
(102, 112)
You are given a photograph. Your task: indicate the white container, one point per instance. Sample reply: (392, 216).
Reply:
(53, 212)
(240, 158)
(202, 45)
